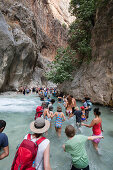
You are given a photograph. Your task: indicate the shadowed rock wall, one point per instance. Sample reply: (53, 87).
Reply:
(96, 78)
(30, 35)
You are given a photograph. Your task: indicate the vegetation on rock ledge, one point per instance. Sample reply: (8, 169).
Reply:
(66, 60)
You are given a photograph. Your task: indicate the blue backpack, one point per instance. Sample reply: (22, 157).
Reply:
(89, 104)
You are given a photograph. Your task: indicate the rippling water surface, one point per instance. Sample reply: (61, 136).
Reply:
(18, 111)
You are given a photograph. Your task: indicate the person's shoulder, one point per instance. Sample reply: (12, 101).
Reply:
(45, 142)
(26, 136)
(70, 141)
(95, 120)
(3, 135)
(82, 137)
(4, 139)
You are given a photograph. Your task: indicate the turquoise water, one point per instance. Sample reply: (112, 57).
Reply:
(18, 111)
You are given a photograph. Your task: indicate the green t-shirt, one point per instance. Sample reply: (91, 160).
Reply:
(76, 147)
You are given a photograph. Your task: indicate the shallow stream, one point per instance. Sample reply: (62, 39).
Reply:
(18, 111)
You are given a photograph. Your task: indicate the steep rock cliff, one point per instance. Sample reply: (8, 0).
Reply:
(96, 78)
(30, 32)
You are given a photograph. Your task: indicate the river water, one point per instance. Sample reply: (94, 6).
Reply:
(18, 111)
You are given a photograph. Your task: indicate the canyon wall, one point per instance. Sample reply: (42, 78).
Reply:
(30, 32)
(95, 78)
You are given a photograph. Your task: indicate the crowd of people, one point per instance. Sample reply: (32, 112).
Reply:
(33, 153)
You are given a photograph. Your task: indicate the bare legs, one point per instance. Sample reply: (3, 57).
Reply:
(58, 131)
(95, 146)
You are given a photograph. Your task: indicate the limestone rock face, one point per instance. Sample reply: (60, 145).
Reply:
(30, 33)
(96, 78)
(6, 52)
(60, 11)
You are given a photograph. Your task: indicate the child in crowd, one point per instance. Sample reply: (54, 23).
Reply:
(75, 146)
(83, 117)
(59, 118)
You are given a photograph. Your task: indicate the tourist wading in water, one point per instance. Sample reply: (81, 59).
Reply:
(75, 146)
(34, 150)
(96, 125)
(69, 106)
(59, 118)
(83, 117)
(3, 141)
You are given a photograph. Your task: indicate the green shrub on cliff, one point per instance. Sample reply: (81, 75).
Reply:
(63, 65)
(80, 29)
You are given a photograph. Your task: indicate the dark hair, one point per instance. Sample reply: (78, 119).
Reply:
(37, 135)
(96, 111)
(70, 131)
(59, 109)
(71, 96)
(50, 108)
(69, 99)
(2, 124)
(52, 101)
(44, 105)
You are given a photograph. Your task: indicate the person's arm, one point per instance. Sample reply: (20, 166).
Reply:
(48, 114)
(47, 165)
(89, 126)
(86, 108)
(5, 153)
(71, 115)
(94, 137)
(75, 102)
(63, 117)
(101, 127)
(53, 115)
(66, 104)
(63, 146)
(45, 112)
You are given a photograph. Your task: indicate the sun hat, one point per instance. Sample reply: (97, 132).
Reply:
(40, 125)
(82, 107)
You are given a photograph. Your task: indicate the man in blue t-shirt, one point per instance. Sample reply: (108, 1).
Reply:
(3, 141)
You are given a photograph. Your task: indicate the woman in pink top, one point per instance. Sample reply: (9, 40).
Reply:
(96, 125)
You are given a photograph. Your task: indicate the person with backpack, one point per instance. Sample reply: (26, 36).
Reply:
(33, 152)
(39, 112)
(88, 106)
(83, 117)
